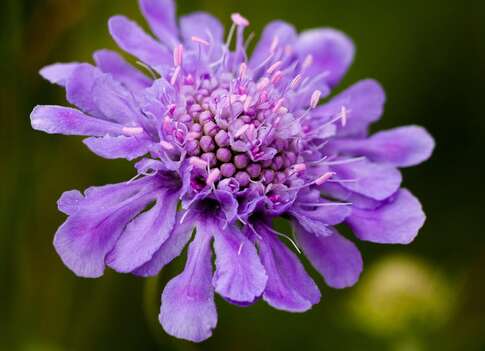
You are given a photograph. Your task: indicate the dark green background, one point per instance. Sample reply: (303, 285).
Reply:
(430, 58)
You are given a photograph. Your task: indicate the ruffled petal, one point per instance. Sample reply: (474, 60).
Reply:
(79, 89)
(111, 62)
(363, 103)
(289, 287)
(161, 17)
(91, 231)
(336, 258)
(316, 220)
(285, 34)
(239, 276)
(99, 95)
(119, 146)
(58, 73)
(170, 249)
(396, 221)
(374, 180)
(202, 25)
(131, 38)
(401, 147)
(332, 52)
(144, 235)
(188, 310)
(69, 121)
(69, 201)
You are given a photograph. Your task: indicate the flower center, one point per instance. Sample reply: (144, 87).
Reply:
(232, 126)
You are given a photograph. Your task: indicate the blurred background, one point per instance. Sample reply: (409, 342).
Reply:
(430, 295)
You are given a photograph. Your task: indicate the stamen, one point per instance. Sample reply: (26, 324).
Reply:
(175, 75)
(243, 68)
(278, 104)
(274, 67)
(263, 83)
(322, 179)
(166, 145)
(277, 76)
(274, 44)
(132, 131)
(199, 40)
(241, 131)
(239, 20)
(307, 62)
(315, 98)
(294, 83)
(198, 162)
(178, 53)
(213, 176)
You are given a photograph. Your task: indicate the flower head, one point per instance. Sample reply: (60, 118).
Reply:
(237, 140)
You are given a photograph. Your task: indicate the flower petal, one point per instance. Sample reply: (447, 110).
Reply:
(111, 62)
(131, 38)
(202, 25)
(332, 52)
(69, 121)
(401, 147)
(364, 103)
(374, 180)
(69, 201)
(289, 287)
(239, 276)
(396, 221)
(188, 310)
(58, 73)
(118, 147)
(336, 258)
(170, 249)
(90, 233)
(315, 219)
(161, 17)
(285, 34)
(144, 235)
(79, 89)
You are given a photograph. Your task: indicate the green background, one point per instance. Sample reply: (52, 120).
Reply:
(430, 295)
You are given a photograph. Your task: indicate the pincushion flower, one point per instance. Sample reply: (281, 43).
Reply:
(226, 142)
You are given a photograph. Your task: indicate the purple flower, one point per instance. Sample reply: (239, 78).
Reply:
(226, 143)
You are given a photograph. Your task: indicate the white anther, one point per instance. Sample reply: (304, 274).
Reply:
(274, 67)
(315, 98)
(213, 176)
(132, 131)
(175, 75)
(199, 40)
(307, 62)
(198, 162)
(239, 20)
(241, 131)
(322, 179)
(166, 145)
(178, 54)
